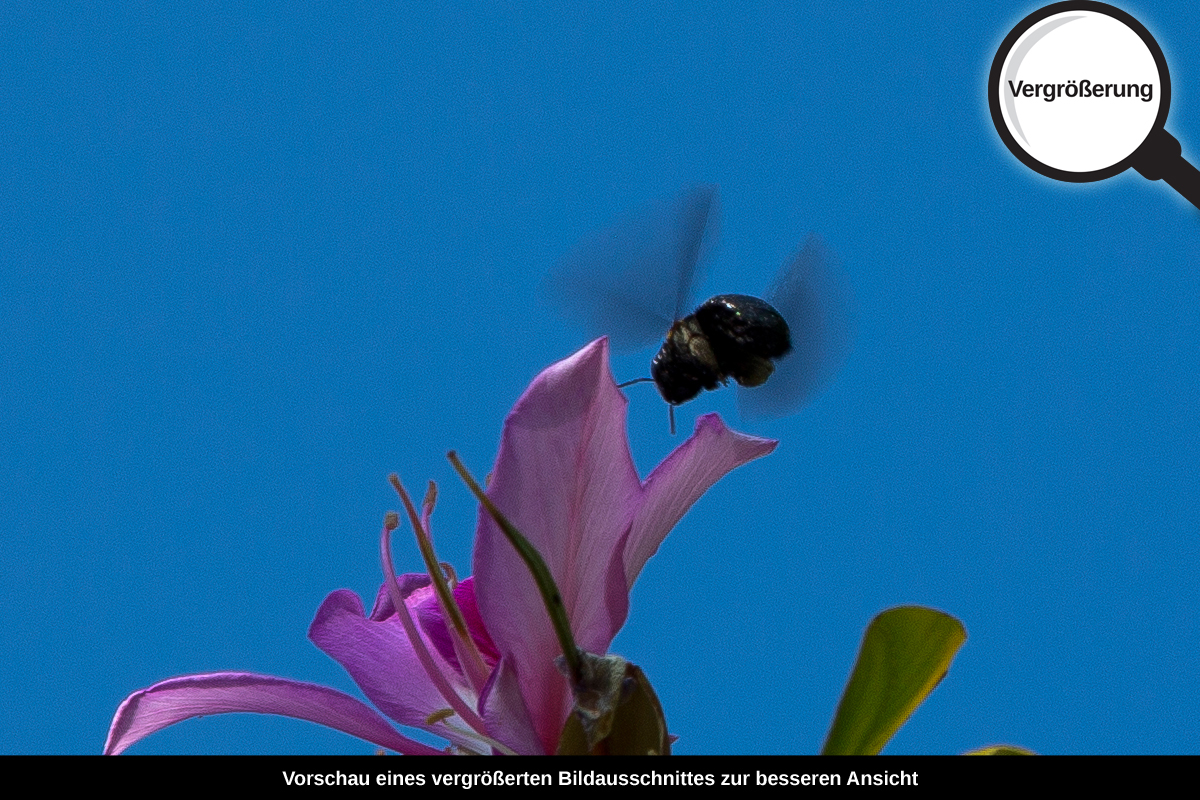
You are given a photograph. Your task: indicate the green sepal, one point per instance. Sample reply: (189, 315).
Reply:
(616, 712)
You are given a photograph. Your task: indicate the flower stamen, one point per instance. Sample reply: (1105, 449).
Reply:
(464, 645)
(436, 676)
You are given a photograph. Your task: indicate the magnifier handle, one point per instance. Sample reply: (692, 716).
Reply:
(1161, 158)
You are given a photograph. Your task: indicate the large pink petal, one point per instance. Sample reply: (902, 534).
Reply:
(565, 478)
(177, 699)
(710, 453)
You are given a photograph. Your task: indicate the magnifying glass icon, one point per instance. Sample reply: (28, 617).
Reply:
(1079, 92)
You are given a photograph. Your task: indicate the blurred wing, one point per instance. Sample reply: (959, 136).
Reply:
(631, 279)
(813, 295)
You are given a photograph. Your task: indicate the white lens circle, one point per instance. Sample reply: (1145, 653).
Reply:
(1079, 91)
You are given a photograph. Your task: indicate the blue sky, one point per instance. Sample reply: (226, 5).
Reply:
(253, 259)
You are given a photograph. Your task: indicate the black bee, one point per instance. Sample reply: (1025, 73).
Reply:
(730, 336)
(632, 278)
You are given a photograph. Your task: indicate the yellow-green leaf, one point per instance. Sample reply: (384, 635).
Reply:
(1001, 750)
(904, 654)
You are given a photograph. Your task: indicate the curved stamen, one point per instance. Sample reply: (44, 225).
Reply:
(469, 657)
(464, 711)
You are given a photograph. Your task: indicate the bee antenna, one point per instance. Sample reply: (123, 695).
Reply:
(670, 406)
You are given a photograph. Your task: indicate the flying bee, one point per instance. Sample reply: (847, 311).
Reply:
(632, 279)
(729, 336)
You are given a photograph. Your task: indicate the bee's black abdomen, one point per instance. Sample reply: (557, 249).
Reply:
(746, 333)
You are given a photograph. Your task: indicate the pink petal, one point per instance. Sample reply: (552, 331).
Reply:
(711, 452)
(565, 477)
(505, 712)
(380, 658)
(433, 622)
(177, 699)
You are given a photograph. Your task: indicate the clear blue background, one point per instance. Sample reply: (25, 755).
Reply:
(254, 258)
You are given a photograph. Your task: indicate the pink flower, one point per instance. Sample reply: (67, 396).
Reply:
(565, 478)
